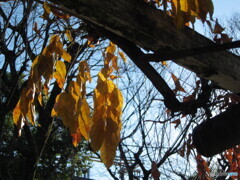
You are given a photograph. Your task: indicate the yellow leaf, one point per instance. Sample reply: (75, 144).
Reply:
(17, 116)
(122, 56)
(60, 73)
(42, 67)
(110, 144)
(31, 114)
(35, 74)
(61, 68)
(110, 52)
(65, 107)
(85, 121)
(116, 99)
(111, 48)
(115, 63)
(66, 56)
(40, 99)
(24, 102)
(97, 134)
(68, 35)
(74, 90)
(98, 98)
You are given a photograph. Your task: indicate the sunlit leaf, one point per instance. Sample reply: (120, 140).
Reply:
(122, 56)
(17, 116)
(110, 144)
(97, 133)
(60, 73)
(66, 56)
(68, 35)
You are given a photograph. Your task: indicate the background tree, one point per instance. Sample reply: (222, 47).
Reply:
(45, 149)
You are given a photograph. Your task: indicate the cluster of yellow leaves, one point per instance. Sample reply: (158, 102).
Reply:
(103, 127)
(108, 102)
(186, 11)
(73, 108)
(42, 68)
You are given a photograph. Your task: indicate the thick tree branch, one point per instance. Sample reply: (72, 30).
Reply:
(170, 55)
(153, 30)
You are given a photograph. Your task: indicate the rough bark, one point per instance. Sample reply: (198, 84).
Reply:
(152, 30)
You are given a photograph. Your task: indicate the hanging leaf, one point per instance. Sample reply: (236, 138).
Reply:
(122, 56)
(17, 116)
(60, 73)
(110, 143)
(69, 35)
(177, 84)
(218, 29)
(97, 132)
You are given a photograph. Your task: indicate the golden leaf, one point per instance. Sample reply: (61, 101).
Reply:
(84, 119)
(17, 116)
(110, 52)
(66, 56)
(110, 143)
(97, 133)
(115, 63)
(60, 73)
(122, 56)
(40, 99)
(31, 113)
(65, 107)
(69, 35)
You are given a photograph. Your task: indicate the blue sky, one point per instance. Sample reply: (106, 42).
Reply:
(223, 8)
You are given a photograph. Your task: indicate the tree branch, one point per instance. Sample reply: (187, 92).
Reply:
(171, 54)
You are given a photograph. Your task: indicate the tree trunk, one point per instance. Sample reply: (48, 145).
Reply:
(152, 30)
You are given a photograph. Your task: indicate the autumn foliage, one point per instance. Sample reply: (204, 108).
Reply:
(100, 123)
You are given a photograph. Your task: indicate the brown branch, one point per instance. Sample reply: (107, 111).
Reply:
(171, 54)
